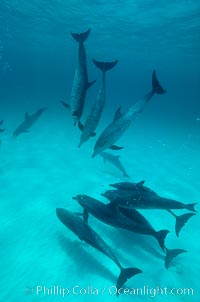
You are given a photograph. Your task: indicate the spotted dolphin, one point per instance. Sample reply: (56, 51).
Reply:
(115, 161)
(87, 234)
(92, 121)
(81, 83)
(139, 187)
(114, 217)
(142, 197)
(121, 123)
(28, 122)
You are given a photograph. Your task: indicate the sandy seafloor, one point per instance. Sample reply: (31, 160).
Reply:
(42, 170)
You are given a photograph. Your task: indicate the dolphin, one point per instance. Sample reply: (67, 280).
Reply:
(81, 83)
(112, 216)
(28, 122)
(114, 160)
(130, 186)
(142, 197)
(87, 234)
(113, 132)
(92, 121)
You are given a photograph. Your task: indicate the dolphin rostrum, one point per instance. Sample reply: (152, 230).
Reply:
(114, 160)
(81, 83)
(116, 218)
(92, 121)
(121, 123)
(87, 234)
(28, 122)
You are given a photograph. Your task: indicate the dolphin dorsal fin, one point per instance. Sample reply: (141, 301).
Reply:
(26, 116)
(141, 183)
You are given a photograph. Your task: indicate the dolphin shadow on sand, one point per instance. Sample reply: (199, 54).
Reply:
(83, 259)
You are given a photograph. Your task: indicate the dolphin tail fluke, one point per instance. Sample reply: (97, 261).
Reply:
(104, 66)
(157, 88)
(160, 236)
(181, 221)
(65, 105)
(190, 207)
(125, 274)
(171, 254)
(82, 37)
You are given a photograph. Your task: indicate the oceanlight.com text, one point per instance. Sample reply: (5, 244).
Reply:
(77, 290)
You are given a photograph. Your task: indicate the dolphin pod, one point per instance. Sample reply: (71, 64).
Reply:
(85, 233)
(115, 218)
(127, 219)
(114, 131)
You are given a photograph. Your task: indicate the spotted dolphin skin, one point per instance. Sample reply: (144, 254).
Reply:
(92, 121)
(28, 122)
(115, 161)
(87, 234)
(81, 83)
(128, 219)
(112, 216)
(142, 197)
(113, 132)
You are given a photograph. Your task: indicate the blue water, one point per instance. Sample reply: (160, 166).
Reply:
(44, 169)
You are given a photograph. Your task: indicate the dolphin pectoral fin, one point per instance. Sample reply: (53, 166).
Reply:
(82, 37)
(26, 116)
(90, 84)
(65, 105)
(125, 274)
(114, 147)
(157, 88)
(75, 113)
(171, 254)
(1, 122)
(104, 66)
(81, 126)
(181, 221)
(93, 134)
(118, 114)
(85, 216)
